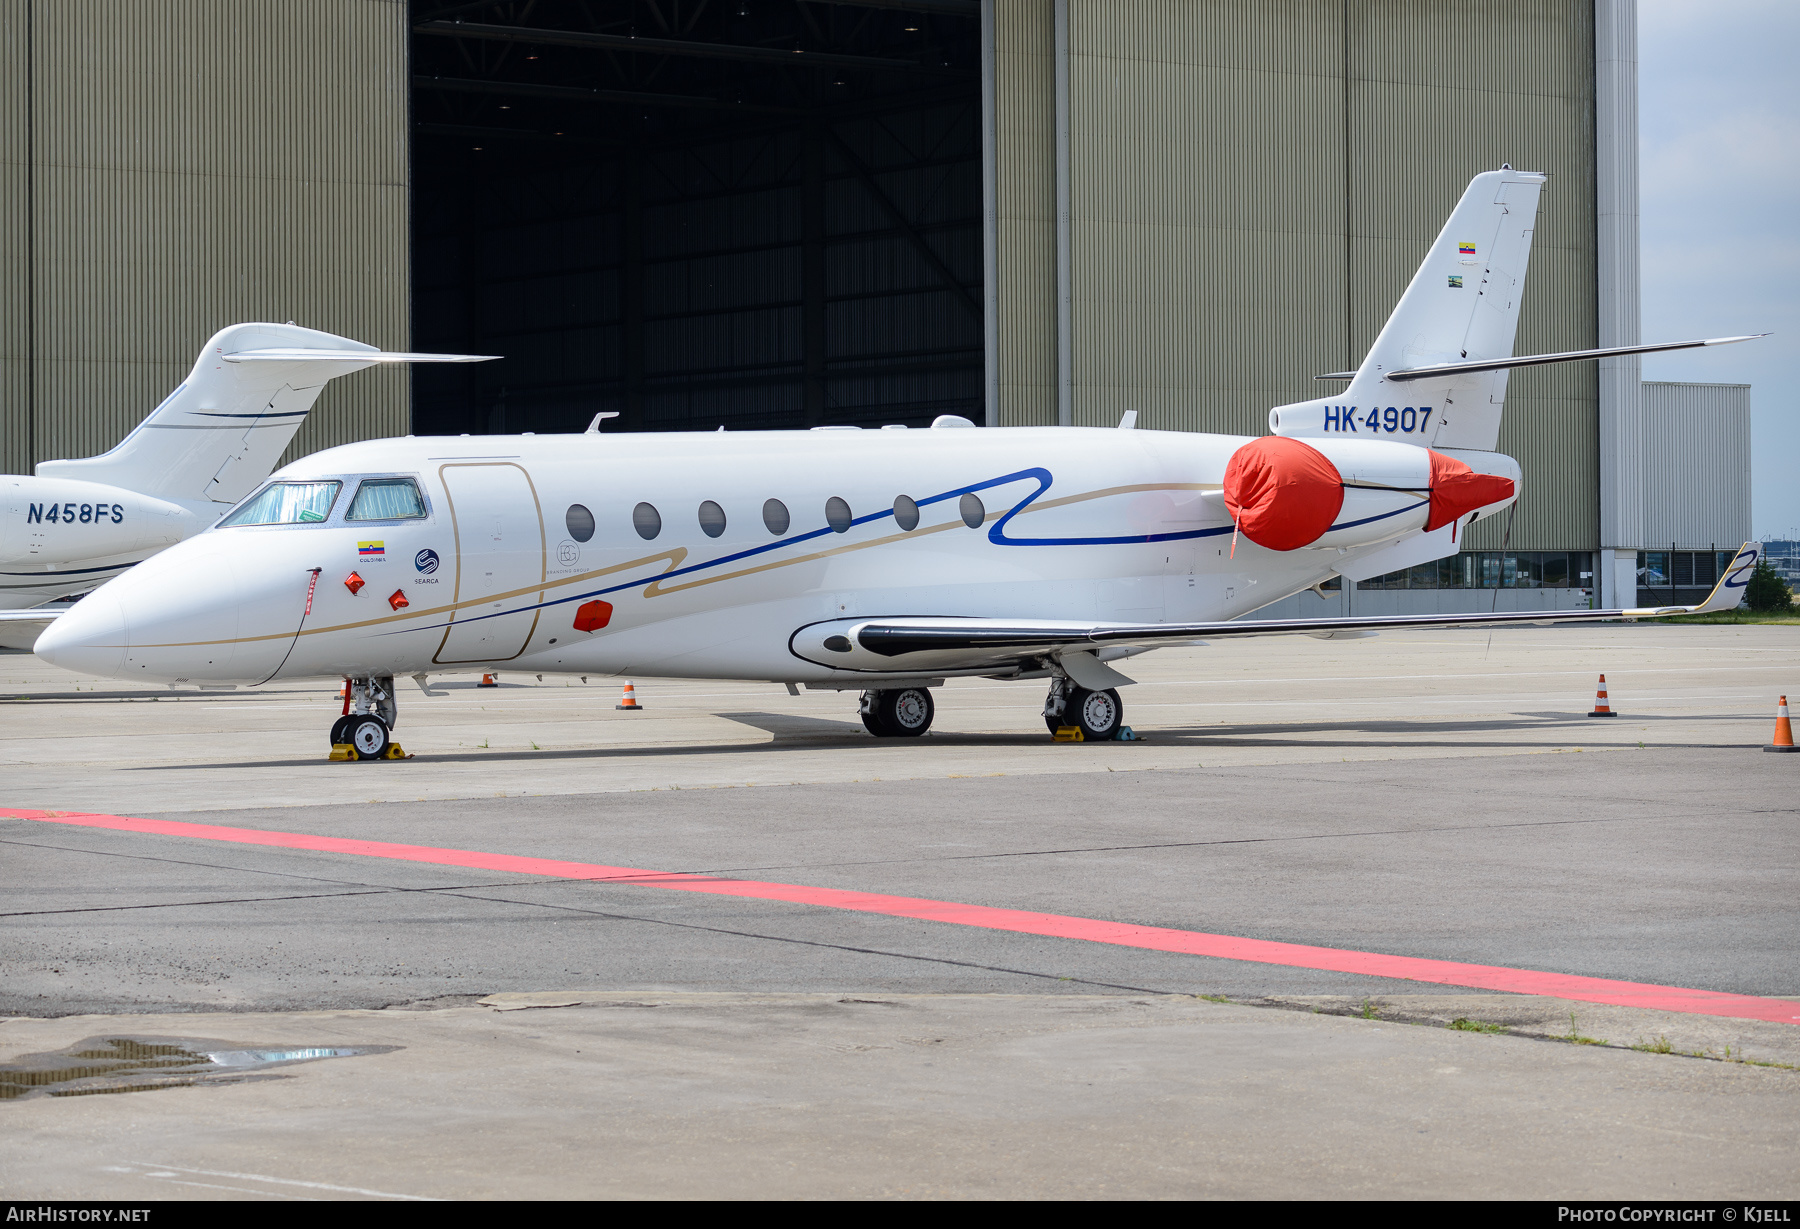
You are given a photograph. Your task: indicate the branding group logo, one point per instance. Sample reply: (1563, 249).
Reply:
(426, 561)
(568, 554)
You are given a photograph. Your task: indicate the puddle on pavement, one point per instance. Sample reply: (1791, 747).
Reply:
(141, 1064)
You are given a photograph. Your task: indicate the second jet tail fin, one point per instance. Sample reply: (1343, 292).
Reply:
(220, 433)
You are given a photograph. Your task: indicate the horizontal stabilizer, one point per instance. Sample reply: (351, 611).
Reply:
(1538, 360)
(1568, 356)
(350, 356)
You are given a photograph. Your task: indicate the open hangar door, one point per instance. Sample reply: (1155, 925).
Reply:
(696, 213)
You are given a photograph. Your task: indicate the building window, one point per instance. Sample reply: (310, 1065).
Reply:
(1682, 569)
(1494, 570)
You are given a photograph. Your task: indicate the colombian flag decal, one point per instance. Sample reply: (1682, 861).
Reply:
(370, 550)
(1465, 249)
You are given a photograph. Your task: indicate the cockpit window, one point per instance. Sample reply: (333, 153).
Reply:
(386, 499)
(286, 503)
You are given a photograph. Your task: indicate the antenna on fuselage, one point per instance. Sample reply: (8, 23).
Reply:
(593, 428)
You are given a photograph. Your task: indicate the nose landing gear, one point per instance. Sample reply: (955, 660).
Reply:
(365, 731)
(1099, 715)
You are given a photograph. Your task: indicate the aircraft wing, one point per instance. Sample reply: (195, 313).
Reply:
(929, 646)
(19, 629)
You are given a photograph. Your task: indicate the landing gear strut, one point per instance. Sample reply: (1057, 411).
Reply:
(1097, 714)
(368, 721)
(903, 712)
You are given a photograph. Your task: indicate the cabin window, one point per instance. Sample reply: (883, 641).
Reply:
(837, 515)
(647, 521)
(286, 503)
(775, 516)
(386, 499)
(906, 513)
(580, 522)
(712, 519)
(973, 513)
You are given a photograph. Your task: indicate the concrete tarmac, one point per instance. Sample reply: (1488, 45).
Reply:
(1436, 794)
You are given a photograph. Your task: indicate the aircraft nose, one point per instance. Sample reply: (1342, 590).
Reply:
(89, 638)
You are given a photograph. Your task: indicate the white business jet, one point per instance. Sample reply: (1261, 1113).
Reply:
(77, 524)
(881, 561)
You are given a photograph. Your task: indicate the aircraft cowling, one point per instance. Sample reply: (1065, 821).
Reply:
(1285, 494)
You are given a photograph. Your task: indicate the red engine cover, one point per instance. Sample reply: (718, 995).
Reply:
(1282, 493)
(1456, 489)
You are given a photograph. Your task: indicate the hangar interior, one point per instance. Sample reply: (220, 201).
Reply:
(784, 213)
(693, 215)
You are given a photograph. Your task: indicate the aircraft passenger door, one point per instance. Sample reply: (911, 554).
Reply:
(499, 531)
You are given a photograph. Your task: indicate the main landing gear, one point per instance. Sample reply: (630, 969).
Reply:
(1099, 715)
(365, 731)
(903, 712)
(906, 712)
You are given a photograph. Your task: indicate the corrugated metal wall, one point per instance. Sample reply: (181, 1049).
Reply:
(192, 164)
(1253, 184)
(1696, 482)
(1438, 92)
(1025, 209)
(15, 282)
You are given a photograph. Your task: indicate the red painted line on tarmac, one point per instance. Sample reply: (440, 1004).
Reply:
(1018, 921)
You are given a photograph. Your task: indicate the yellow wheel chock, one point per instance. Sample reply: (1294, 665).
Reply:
(344, 752)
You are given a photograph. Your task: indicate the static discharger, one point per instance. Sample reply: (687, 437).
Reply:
(1601, 708)
(1784, 733)
(628, 701)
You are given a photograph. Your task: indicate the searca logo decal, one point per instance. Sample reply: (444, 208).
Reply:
(426, 561)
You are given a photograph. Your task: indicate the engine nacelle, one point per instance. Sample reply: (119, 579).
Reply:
(1286, 493)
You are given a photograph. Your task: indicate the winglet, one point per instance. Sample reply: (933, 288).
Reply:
(1725, 595)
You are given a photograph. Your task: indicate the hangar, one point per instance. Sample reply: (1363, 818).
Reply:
(784, 213)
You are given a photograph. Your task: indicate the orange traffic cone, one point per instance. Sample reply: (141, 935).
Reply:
(1601, 709)
(488, 680)
(1784, 733)
(628, 701)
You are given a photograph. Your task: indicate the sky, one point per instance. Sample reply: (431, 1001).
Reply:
(1719, 140)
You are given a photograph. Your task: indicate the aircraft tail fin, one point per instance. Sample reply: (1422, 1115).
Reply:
(220, 433)
(1462, 306)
